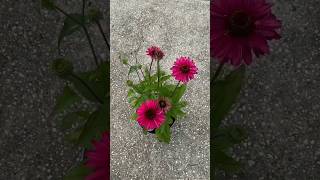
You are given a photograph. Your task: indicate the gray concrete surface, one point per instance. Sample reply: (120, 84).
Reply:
(179, 28)
(31, 143)
(280, 105)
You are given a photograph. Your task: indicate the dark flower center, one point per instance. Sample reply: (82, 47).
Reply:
(162, 104)
(240, 24)
(185, 69)
(150, 114)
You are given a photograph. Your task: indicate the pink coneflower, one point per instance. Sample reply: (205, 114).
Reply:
(150, 116)
(155, 53)
(164, 104)
(99, 159)
(184, 69)
(240, 28)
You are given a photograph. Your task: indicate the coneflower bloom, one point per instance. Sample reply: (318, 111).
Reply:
(164, 104)
(184, 69)
(99, 159)
(241, 28)
(155, 53)
(150, 116)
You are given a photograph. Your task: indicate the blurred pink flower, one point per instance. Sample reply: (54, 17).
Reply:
(99, 159)
(240, 28)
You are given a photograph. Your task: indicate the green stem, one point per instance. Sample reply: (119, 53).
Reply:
(150, 68)
(83, 7)
(216, 74)
(175, 88)
(158, 72)
(85, 31)
(103, 34)
(88, 87)
(138, 75)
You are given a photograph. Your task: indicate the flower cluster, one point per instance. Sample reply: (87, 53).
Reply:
(157, 102)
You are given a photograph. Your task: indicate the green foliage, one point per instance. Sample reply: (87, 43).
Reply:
(95, 15)
(225, 93)
(48, 4)
(78, 173)
(72, 23)
(223, 140)
(67, 98)
(134, 68)
(62, 67)
(90, 86)
(164, 133)
(95, 126)
(149, 88)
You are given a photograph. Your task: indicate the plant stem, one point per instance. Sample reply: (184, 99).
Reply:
(88, 87)
(138, 75)
(83, 7)
(175, 89)
(150, 68)
(140, 69)
(85, 31)
(216, 74)
(103, 34)
(158, 71)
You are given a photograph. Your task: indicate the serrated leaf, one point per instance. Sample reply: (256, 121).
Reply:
(48, 4)
(72, 25)
(64, 101)
(73, 137)
(164, 133)
(97, 81)
(78, 173)
(134, 68)
(97, 123)
(179, 93)
(225, 93)
(74, 117)
(226, 163)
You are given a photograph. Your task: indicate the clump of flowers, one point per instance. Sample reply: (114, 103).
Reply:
(157, 101)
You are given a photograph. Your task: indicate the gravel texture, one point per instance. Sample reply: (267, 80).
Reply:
(279, 106)
(31, 142)
(179, 28)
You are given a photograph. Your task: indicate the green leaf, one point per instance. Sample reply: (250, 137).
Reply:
(97, 81)
(73, 136)
(165, 78)
(134, 68)
(225, 93)
(64, 101)
(97, 123)
(48, 4)
(125, 61)
(78, 173)
(74, 117)
(179, 93)
(72, 25)
(226, 163)
(225, 138)
(164, 133)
